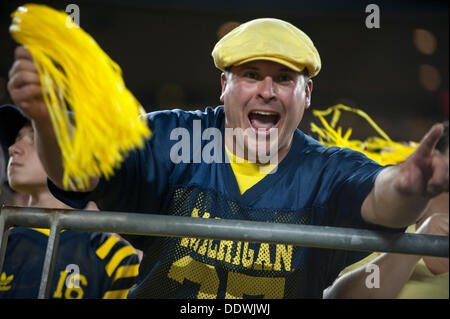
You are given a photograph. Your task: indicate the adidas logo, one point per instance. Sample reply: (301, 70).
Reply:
(5, 281)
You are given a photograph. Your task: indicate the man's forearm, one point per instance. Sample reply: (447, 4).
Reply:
(50, 154)
(48, 151)
(394, 270)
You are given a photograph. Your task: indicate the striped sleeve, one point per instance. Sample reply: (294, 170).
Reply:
(121, 266)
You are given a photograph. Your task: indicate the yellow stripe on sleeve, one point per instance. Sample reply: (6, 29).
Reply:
(126, 271)
(120, 255)
(116, 294)
(106, 247)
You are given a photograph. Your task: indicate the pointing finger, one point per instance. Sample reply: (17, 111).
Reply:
(429, 141)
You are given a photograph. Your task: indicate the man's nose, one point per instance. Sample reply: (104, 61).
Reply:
(267, 89)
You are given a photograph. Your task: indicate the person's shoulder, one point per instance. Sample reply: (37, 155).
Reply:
(167, 122)
(180, 115)
(28, 233)
(92, 240)
(104, 243)
(310, 147)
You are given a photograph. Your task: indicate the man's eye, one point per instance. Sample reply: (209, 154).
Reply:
(285, 78)
(251, 75)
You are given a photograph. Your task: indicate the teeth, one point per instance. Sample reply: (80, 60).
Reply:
(264, 113)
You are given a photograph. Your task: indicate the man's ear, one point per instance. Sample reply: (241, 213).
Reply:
(223, 82)
(308, 92)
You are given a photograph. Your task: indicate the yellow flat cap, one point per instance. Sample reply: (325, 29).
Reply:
(267, 39)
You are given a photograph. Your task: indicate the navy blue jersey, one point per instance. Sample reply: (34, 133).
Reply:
(88, 265)
(313, 185)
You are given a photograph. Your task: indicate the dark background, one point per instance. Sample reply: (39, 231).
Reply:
(164, 49)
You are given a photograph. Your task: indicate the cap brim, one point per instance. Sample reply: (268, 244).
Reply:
(11, 121)
(273, 59)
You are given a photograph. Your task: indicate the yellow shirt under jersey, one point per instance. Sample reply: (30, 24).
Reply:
(247, 174)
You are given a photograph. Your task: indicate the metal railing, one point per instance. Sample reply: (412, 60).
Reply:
(223, 229)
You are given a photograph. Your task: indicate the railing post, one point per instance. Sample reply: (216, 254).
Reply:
(4, 231)
(50, 258)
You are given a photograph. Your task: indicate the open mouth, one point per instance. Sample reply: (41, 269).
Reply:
(264, 120)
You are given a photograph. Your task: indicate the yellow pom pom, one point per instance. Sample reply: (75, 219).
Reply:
(382, 150)
(77, 76)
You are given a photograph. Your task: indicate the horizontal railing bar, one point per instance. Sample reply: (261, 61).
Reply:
(237, 230)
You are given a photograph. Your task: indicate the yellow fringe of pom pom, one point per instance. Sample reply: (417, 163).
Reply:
(106, 121)
(380, 149)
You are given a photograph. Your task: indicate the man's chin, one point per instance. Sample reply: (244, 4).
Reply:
(261, 153)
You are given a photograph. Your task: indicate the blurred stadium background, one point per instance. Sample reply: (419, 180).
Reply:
(398, 73)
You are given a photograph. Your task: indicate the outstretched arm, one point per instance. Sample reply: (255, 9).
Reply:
(401, 193)
(394, 270)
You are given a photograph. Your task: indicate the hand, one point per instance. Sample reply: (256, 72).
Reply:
(425, 173)
(436, 224)
(24, 85)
